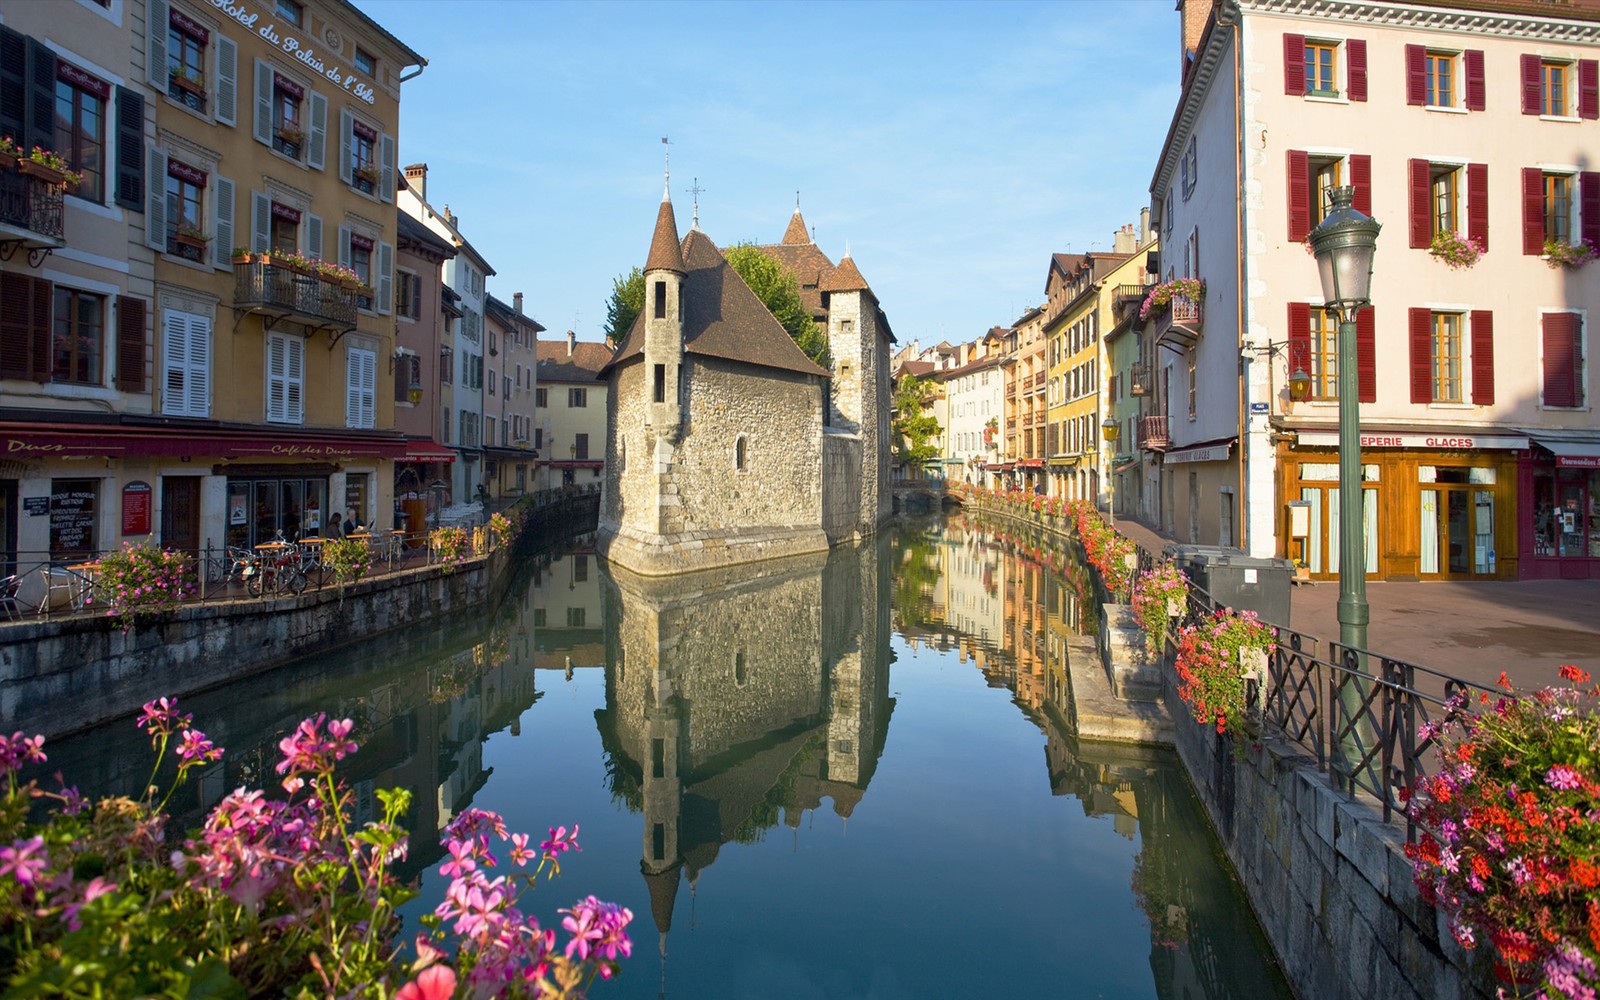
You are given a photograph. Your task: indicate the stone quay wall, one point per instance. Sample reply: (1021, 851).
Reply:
(842, 487)
(66, 674)
(1326, 875)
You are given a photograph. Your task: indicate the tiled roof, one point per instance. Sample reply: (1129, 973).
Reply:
(664, 255)
(796, 234)
(921, 369)
(844, 278)
(414, 234)
(808, 265)
(503, 312)
(582, 365)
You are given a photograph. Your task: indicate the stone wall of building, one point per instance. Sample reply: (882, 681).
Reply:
(861, 399)
(842, 488)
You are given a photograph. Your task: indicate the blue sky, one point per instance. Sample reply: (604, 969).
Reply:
(952, 146)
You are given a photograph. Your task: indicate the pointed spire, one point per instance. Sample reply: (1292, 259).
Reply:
(844, 278)
(796, 234)
(665, 254)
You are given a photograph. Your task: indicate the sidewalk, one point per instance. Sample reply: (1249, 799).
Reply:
(1472, 630)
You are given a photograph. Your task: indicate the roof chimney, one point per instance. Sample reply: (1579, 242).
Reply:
(417, 179)
(572, 340)
(516, 303)
(1125, 241)
(1144, 225)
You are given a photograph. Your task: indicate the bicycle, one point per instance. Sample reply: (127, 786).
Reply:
(277, 573)
(226, 568)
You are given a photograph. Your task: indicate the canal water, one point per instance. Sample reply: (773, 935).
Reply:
(842, 776)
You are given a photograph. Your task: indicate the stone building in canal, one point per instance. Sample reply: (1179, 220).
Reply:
(726, 443)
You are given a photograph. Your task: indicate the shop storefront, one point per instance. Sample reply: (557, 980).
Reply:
(1434, 505)
(1558, 482)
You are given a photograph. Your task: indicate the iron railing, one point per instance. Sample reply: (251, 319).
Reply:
(1154, 433)
(31, 203)
(261, 284)
(1139, 378)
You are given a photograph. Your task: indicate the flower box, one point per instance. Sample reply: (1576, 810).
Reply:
(369, 173)
(45, 173)
(182, 82)
(191, 238)
(290, 134)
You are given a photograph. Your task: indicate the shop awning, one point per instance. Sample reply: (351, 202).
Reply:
(580, 463)
(999, 467)
(1031, 463)
(427, 451)
(1204, 453)
(70, 440)
(1572, 454)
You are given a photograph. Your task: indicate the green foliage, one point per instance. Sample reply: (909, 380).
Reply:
(626, 302)
(347, 559)
(779, 291)
(914, 427)
(140, 581)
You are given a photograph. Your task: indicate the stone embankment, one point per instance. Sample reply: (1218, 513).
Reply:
(61, 675)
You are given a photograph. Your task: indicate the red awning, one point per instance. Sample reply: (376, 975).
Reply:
(41, 440)
(427, 451)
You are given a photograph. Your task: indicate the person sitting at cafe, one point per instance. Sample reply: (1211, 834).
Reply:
(334, 529)
(352, 526)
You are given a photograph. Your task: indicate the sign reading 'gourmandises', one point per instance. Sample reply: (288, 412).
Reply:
(291, 45)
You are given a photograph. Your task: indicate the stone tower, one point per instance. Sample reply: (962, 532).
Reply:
(663, 334)
(860, 401)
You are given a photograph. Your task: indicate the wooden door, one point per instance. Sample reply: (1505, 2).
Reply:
(180, 513)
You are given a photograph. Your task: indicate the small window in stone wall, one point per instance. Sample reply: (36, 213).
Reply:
(622, 454)
(741, 673)
(740, 449)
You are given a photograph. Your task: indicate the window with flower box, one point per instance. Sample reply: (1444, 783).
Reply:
(1448, 199)
(366, 157)
(80, 127)
(186, 236)
(1311, 180)
(289, 117)
(1559, 206)
(187, 40)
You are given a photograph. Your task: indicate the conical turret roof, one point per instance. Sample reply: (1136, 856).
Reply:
(797, 233)
(664, 252)
(844, 278)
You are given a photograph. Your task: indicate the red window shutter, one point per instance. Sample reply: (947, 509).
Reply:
(1421, 356)
(1477, 92)
(1482, 357)
(130, 344)
(1361, 180)
(1416, 75)
(25, 306)
(1356, 54)
(1299, 195)
(1478, 203)
(1294, 64)
(1421, 204)
(1299, 338)
(1366, 356)
(1561, 359)
(1532, 211)
(1588, 88)
(1589, 206)
(1532, 85)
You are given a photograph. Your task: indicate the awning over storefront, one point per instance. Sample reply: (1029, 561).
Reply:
(427, 451)
(64, 440)
(1000, 466)
(1572, 454)
(1203, 453)
(1436, 440)
(581, 463)
(1031, 463)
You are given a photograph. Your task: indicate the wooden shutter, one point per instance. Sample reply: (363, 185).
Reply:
(277, 362)
(1561, 359)
(25, 306)
(1477, 91)
(155, 216)
(1588, 88)
(314, 236)
(1482, 357)
(344, 246)
(1421, 204)
(1532, 211)
(13, 83)
(198, 367)
(294, 378)
(1478, 203)
(1367, 356)
(157, 22)
(1532, 85)
(227, 90)
(174, 362)
(260, 222)
(361, 374)
(386, 155)
(41, 124)
(262, 128)
(130, 344)
(1421, 356)
(1299, 195)
(1416, 75)
(1356, 55)
(1589, 206)
(222, 233)
(128, 191)
(1294, 64)
(1361, 180)
(1299, 338)
(385, 277)
(346, 157)
(352, 388)
(317, 136)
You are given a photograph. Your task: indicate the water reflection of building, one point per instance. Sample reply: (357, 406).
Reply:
(739, 699)
(566, 612)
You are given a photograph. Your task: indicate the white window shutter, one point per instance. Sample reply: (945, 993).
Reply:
(263, 123)
(227, 80)
(369, 385)
(344, 246)
(158, 18)
(385, 278)
(294, 378)
(276, 361)
(314, 236)
(199, 366)
(386, 157)
(222, 232)
(260, 222)
(155, 216)
(174, 362)
(346, 157)
(317, 140)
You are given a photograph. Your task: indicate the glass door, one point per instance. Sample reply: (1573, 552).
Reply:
(1457, 532)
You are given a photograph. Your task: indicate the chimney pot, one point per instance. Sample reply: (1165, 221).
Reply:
(572, 340)
(516, 302)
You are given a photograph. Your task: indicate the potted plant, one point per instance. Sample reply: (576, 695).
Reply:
(49, 167)
(368, 172)
(194, 83)
(1559, 253)
(290, 133)
(190, 235)
(1160, 296)
(242, 255)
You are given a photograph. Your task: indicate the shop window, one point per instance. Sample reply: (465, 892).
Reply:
(74, 514)
(1566, 518)
(357, 494)
(79, 337)
(261, 510)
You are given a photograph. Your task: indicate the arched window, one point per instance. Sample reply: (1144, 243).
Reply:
(740, 450)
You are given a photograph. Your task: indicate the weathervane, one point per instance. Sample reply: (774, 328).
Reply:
(666, 156)
(696, 192)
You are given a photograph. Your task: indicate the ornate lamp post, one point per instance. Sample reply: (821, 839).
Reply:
(1343, 244)
(1111, 429)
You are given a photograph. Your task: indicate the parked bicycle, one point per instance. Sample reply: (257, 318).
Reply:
(275, 569)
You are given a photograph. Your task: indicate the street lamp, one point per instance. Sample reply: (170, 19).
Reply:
(1343, 243)
(1111, 429)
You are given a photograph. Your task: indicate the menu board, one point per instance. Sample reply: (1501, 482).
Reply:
(72, 516)
(136, 508)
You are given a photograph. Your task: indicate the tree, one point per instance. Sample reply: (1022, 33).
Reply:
(779, 291)
(626, 302)
(914, 427)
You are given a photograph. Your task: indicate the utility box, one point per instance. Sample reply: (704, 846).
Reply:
(1239, 581)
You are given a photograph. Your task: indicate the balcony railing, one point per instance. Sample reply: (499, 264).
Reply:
(1153, 433)
(1180, 324)
(1139, 379)
(260, 286)
(31, 212)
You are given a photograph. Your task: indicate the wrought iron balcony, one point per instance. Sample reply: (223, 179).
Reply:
(1180, 323)
(1153, 433)
(282, 292)
(1139, 379)
(31, 214)
(1125, 298)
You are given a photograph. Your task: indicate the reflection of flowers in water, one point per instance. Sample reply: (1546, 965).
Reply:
(451, 682)
(1156, 893)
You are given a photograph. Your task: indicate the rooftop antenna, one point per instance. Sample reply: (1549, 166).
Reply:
(696, 191)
